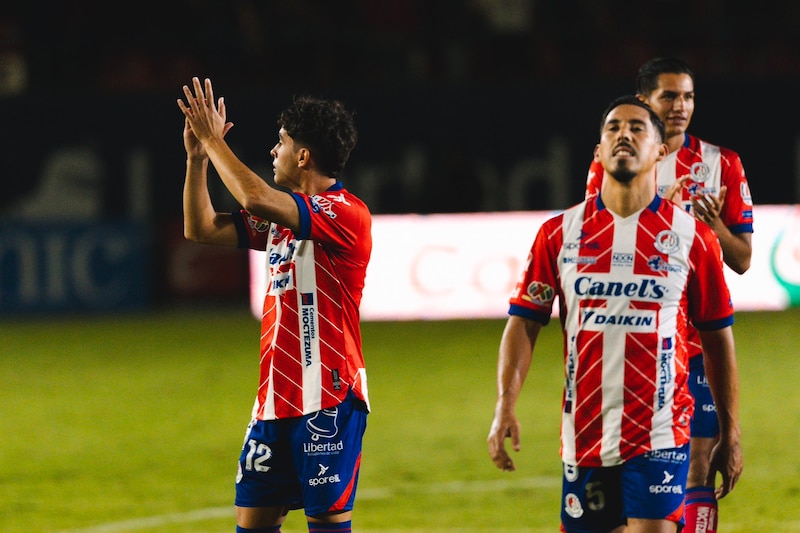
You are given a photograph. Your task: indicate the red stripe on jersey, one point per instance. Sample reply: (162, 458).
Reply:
(588, 408)
(311, 342)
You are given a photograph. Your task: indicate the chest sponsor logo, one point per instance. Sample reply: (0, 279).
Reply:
(644, 289)
(640, 320)
(309, 327)
(665, 378)
(658, 264)
(281, 254)
(621, 259)
(581, 245)
(280, 282)
(580, 260)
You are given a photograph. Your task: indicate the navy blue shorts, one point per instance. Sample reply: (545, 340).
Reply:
(704, 422)
(310, 462)
(652, 486)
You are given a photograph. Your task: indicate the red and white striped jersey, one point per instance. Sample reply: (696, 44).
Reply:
(710, 167)
(311, 352)
(625, 287)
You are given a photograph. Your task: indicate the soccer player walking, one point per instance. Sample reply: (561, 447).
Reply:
(302, 448)
(628, 270)
(708, 181)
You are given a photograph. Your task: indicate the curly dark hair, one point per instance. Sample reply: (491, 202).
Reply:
(325, 127)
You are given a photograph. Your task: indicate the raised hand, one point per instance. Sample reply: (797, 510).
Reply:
(205, 120)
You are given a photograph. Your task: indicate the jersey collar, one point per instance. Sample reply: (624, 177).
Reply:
(654, 205)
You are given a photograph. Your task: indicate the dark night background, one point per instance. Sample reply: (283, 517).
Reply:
(462, 106)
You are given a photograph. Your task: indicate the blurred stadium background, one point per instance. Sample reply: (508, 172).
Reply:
(464, 107)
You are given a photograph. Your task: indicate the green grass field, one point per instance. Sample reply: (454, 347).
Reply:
(135, 423)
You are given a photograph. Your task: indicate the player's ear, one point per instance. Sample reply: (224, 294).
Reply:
(303, 157)
(597, 153)
(663, 151)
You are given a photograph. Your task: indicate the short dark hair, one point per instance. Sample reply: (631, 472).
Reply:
(630, 99)
(647, 77)
(325, 127)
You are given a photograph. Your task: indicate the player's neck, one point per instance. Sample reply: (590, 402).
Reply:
(625, 199)
(315, 183)
(674, 142)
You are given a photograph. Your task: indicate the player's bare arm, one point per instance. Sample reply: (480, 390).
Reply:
(516, 352)
(201, 223)
(208, 122)
(723, 379)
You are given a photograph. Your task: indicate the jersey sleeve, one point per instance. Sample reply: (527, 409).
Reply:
(737, 209)
(538, 286)
(251, 230)
(710, 304)
(338, 219)
(594, 179)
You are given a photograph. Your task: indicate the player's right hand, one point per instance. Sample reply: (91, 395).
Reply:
(503, 427)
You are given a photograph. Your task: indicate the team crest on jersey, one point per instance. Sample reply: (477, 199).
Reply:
(572, 505)
(700, 172)
(667, 242)
(541, 293)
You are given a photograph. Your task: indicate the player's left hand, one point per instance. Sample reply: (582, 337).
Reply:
(726, 458)
(707, 207)
(204, 118)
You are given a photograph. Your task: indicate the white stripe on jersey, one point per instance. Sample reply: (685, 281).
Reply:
(309, 326)
(662, 435)
(269, 400)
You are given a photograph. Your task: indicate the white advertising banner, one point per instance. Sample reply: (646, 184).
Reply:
(447, 266)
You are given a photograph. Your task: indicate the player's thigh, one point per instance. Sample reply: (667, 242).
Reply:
(704, 421)
(700, 460)
(642, 525)
(260, 517)
(327, 454)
